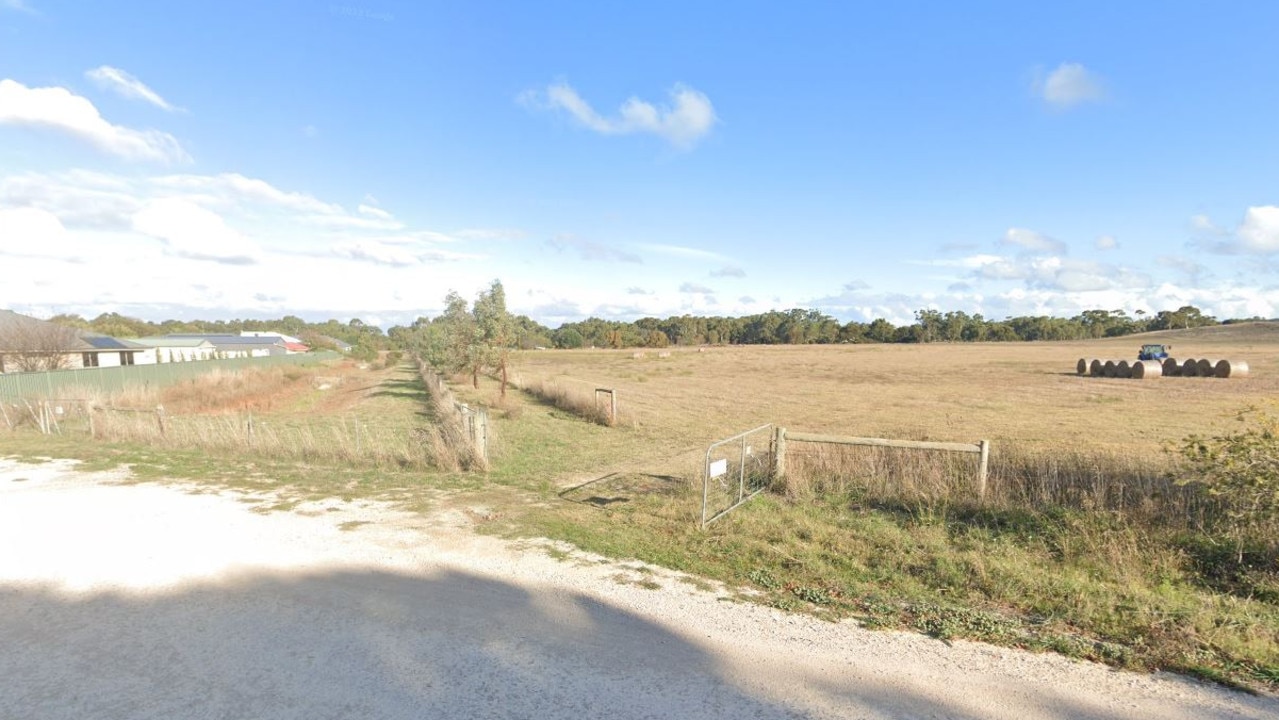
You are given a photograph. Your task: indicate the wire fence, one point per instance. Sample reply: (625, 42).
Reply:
(60, 383)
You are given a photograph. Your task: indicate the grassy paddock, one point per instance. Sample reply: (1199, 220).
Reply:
(1084, 543)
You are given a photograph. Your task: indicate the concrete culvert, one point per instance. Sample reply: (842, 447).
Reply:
(1147, 369)
(1171, 367)
(1081, 367)
(1231, 368)
(1096, 368)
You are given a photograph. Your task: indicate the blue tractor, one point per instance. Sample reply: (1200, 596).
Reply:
(1154, 352)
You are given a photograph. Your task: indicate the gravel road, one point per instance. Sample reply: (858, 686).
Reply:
(168, 601)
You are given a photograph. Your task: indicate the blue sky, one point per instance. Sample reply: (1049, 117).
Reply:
(340, 159)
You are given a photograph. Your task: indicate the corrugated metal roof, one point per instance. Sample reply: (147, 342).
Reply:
(104, 342)
(233, 339)
(174, 342)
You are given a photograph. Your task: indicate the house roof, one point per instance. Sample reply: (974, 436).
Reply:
(296, 347)
(14, 324)
(269, 334)
(105, 342)
(224, 340)
(176, 342)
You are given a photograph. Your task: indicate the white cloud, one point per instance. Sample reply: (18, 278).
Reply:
(1069, 85)
(1192, 269)
(1259, 232)
(1106, 242)
(729, 271)
(128, 86)
(491, 234)
(592, 250)
(684, 122)
(1204, 224)
(376, 212)
(1062, 274)
(78, 198)
(377, 252)
(970, 262)
(191, 231)
(693, 288)
(236, 187)
(1033, 242)
(351, 221)
(19, 5)
(684, 252)
(57, 108)
(29, 230)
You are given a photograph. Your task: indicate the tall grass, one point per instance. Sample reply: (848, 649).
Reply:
(246, 412)
(1142, 488)
(337, 440)
(576, 399)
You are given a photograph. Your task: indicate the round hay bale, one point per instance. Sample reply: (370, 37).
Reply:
(1231, 368)
(1081, 367)
(1147, 369)
(1190, 368)
(1096, 368)
(1123, 369)
(1171, 367)
(1108, 369)
(1206, 367)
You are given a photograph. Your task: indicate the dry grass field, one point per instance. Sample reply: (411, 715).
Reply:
(1022, 393)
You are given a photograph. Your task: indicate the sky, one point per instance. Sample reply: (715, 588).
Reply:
(362, 158)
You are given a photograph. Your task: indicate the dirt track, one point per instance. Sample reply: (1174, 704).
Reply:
(148, 601)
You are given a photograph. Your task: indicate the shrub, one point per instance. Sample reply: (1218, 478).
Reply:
(1241, 472)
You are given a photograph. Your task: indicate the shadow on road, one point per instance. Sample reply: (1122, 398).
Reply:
(363, 644)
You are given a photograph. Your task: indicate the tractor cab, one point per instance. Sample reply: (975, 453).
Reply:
(1154, 352)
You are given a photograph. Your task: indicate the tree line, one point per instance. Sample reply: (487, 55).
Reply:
(475, 337)
(806, 326)
(366, 340)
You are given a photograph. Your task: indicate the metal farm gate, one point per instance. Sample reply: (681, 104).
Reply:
(736, 469)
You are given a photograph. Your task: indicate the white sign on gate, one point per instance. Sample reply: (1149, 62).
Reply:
(719, 467)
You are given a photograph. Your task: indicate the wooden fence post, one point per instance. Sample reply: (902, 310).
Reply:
(779, 452)
(159, 417)
(983, 469)
(482, 432)
(249, 428)
(88, 413)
